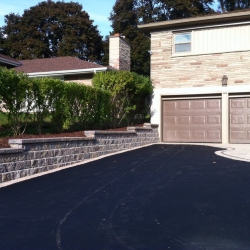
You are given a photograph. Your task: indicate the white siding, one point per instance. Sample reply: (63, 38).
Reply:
(219, 40)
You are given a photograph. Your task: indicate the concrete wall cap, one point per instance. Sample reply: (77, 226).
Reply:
(39, 140)
(11, 150)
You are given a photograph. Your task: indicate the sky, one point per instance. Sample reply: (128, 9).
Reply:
(98, 10)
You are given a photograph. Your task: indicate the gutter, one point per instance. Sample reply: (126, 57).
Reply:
(10, 62)
(222, 19)
(67, 72)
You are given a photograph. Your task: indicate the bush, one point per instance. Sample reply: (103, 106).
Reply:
(129, 95)
(42, 97)
(117, 99)
(15, 99)
(86, 105)
(69, 105)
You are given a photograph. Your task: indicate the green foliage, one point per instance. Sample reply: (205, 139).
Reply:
(85, 105)
(51, 29)
(15, 99)
(45, 93)
(129, 92)
(231, 5)
(3, 119)
(66, 105)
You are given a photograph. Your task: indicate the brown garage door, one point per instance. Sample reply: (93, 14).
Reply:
(197, 120)
(240, 120)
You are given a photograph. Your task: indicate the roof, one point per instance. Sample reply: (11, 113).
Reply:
(215, 19)
(8, 61)
(55, 64)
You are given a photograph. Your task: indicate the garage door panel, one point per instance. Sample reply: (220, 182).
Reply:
(183, 134)
(170, 119)
(199, 119)
(184, 119)
(214, 104)
(214, 135)
(201, 135)
(238, 135)
(235, 103)
(213, 119)
(240, 120)
(184, 105)
(199, 104)
(237, 119)
(170, 135)
(196, 120)
(170, 105)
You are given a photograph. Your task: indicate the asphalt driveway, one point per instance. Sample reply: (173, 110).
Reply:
(181, 197)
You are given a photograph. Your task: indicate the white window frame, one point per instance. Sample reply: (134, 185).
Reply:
(174, 43)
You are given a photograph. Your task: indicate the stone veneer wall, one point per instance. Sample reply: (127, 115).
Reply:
(169, 71)
(30, 156)
(119, 53)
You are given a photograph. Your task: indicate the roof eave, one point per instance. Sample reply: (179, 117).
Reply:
(66, 72)
(9, 62)
(194, 21)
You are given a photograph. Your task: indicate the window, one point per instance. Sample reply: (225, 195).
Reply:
(182, 42)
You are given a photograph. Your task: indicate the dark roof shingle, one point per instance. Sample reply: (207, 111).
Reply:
(55, 64)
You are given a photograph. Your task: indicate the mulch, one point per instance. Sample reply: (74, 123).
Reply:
(4, 141)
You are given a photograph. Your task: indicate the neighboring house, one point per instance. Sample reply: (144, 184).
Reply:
(72, 69)
(189, 58)
(66, 68)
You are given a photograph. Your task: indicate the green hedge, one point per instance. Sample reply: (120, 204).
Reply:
(14, 92)
(69, 105)
(118, 98)
(130, 96)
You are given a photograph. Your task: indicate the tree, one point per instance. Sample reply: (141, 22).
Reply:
(52, 29)
(127, 14)
(231, 5)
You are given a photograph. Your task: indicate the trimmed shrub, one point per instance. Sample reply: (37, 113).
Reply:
(15, 98)
(129, 95)
(69, 106)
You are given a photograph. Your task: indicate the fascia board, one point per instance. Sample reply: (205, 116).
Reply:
(6, 61)
(66, 72)
(192, 21)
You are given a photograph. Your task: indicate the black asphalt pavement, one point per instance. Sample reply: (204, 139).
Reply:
(181, 197)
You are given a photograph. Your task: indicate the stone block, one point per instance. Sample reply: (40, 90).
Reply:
(34, 163)
(22, 165)
(60, 159)
(8, 176)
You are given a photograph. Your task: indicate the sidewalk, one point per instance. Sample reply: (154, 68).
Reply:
(240, 152)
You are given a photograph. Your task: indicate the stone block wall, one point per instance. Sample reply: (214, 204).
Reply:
(30, 156)
(171, 71)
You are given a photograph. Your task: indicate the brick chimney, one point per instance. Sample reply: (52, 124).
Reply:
(119, 53)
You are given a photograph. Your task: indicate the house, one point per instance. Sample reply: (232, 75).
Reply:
(65, 68)
(200, 68)
(71, 69)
